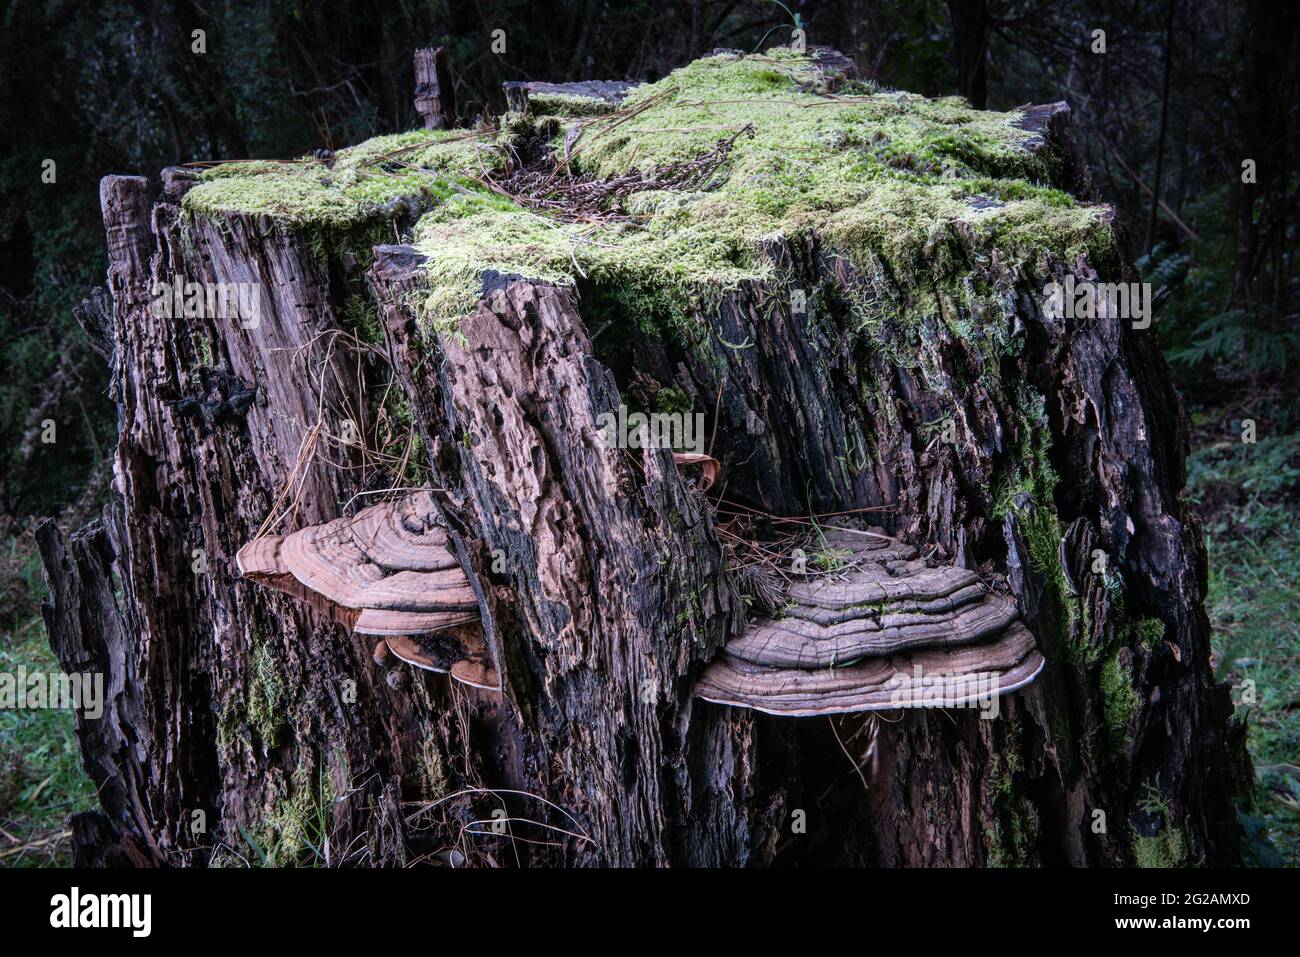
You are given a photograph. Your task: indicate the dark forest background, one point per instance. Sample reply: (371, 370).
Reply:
(1184, 93)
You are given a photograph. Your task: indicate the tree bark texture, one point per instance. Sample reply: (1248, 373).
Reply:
(603, 586)
(435, 96)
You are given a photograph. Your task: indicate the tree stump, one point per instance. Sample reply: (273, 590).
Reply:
(848, 285)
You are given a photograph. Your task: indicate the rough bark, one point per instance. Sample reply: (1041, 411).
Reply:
(240, 703)
(610, 586)
(81, 581)
(435, 97)
(602, 586)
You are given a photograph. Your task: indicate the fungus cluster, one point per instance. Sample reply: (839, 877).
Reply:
(388, 572)
(890, 630)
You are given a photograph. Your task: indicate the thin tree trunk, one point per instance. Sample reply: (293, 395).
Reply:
(970, 37)
(1158, 179)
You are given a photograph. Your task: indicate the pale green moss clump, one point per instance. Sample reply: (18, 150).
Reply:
(296, 827)
(1151, 631)
(475, 233)
(1168, 846)
(1119, 700)
(422, 164)
(567, 104)
(266, 694)
(1015, 826)
(1166, 849)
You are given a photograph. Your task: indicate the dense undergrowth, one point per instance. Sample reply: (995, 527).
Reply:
(41, 778)
(1248, 496)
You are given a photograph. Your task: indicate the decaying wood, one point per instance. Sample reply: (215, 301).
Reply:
(196, 651)
(435, 96)
(583, 582)
(89, 632)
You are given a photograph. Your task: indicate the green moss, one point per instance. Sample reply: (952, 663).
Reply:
(428, 166)
(1014, 830)
(1151, 631)
(474, 234)
(1025, 486)
(1028, 470)
(265, 694)
(568, 105)
(360, 317)
(1168, 846)
(205, 351)
(1060, 610)
(1166, 849)
(401, 433)
(354, 243)
(294, 832)
(671, 399)
(1040, 529)
(1119, 700)
(232, 727)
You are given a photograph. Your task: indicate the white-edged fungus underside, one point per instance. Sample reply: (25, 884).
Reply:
(386, 571)
(890, 631)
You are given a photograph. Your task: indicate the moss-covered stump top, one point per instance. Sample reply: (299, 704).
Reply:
(362, 183)
(688, 181)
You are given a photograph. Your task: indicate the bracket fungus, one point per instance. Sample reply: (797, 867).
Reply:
(890, 631)
(388, 572)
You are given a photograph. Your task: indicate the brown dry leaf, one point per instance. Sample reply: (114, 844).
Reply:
(711, 466)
